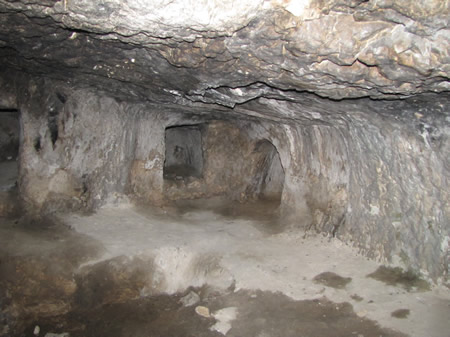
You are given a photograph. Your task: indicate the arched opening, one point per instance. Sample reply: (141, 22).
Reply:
(220, 166)
(268, 179)
(184, 153)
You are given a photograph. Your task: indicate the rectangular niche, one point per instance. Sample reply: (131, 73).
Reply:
(9, 134)
(184, 152)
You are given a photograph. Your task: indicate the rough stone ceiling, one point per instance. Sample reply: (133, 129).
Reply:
(231, 52)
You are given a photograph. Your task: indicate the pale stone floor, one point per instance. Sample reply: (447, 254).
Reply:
(238, 254)
(195, 247)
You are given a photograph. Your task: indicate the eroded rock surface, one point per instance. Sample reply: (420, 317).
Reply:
(98, 83)
(229, 53)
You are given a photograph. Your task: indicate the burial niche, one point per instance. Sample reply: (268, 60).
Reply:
(268, 176)
(184, 152)
(9, 151)
(9, 134)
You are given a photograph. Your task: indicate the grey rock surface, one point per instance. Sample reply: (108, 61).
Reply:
(353, 95)
(374, 173)
(217, 52)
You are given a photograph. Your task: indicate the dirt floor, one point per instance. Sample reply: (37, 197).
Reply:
(205, 268)
(257, 314)
(44, 291)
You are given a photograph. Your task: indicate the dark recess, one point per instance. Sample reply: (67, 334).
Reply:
(184, 152)
(9, 110)
(37, 144)
(268, 181)
(9, 133)
(52, 123)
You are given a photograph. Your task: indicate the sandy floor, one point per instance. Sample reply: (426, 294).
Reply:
(192, 248)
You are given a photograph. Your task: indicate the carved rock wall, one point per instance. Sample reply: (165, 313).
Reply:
(75, 147)
(101, 81)
(375, 179)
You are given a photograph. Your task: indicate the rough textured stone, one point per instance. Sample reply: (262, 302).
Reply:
(210, 51)
(38, 261)
(98, 82)
(374, 173)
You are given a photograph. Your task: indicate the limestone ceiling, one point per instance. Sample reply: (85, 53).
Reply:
(231, 52)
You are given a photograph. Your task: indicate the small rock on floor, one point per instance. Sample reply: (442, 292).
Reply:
(224, 318)
(202, 311)
(51, 334)
(190, 299)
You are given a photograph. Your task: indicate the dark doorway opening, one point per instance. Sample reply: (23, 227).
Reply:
(9, 152)
(268, 181)
(184, 152)
(9, 134)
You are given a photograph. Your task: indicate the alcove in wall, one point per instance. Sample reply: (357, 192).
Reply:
(268, 174)
(183, 153)
(9, 152)
(9, 134)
